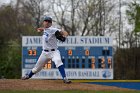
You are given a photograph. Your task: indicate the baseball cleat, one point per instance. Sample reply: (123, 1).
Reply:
(66, 81)
(25, 77)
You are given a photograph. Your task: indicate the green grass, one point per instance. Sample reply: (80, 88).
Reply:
(68, 91)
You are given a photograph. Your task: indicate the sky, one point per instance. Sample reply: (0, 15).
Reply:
(4, 2)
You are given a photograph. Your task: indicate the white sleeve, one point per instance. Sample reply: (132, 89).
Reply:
(55, 29)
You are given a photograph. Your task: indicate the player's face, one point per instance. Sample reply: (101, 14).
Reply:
(46, 24)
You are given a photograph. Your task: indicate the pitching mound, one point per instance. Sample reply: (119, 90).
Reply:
(16, 84)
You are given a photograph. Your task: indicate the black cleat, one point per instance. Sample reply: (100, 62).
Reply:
(66, 81)
(25, 77)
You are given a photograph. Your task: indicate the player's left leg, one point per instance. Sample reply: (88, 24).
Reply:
(57, 60)
(38, 66)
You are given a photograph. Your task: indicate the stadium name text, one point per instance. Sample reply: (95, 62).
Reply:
(71, 41)
(87, 41)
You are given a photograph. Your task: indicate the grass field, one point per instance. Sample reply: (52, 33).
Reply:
(68, 91)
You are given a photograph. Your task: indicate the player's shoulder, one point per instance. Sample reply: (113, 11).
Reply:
(54, 29)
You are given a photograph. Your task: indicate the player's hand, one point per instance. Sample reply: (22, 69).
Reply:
(40, 29)
(64, 33)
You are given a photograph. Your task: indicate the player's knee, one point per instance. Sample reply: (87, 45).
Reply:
(34, 70)
(58, 63)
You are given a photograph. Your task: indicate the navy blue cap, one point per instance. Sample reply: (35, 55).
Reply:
(49, 19)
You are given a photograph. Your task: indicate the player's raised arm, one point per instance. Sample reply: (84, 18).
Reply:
(40, 29)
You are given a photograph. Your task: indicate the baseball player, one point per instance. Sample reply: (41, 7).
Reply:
(50, 51)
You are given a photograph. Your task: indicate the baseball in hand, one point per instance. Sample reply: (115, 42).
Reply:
(40, 29)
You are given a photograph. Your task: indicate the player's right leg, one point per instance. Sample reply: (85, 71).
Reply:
(38, 66)
(58, 62)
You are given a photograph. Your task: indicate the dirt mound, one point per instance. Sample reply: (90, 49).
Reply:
(16, 84)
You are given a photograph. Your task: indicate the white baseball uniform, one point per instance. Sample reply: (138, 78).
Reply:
(49, 42)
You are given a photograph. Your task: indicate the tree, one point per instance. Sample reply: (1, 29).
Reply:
(65, 14)
(8, 24)
(34, 9)
(10, 60)
(12, 27)
(133, 15)
(84, 17)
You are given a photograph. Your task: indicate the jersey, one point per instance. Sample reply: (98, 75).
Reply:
(49, 40)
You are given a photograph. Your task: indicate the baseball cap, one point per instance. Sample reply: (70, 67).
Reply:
(47, 18)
